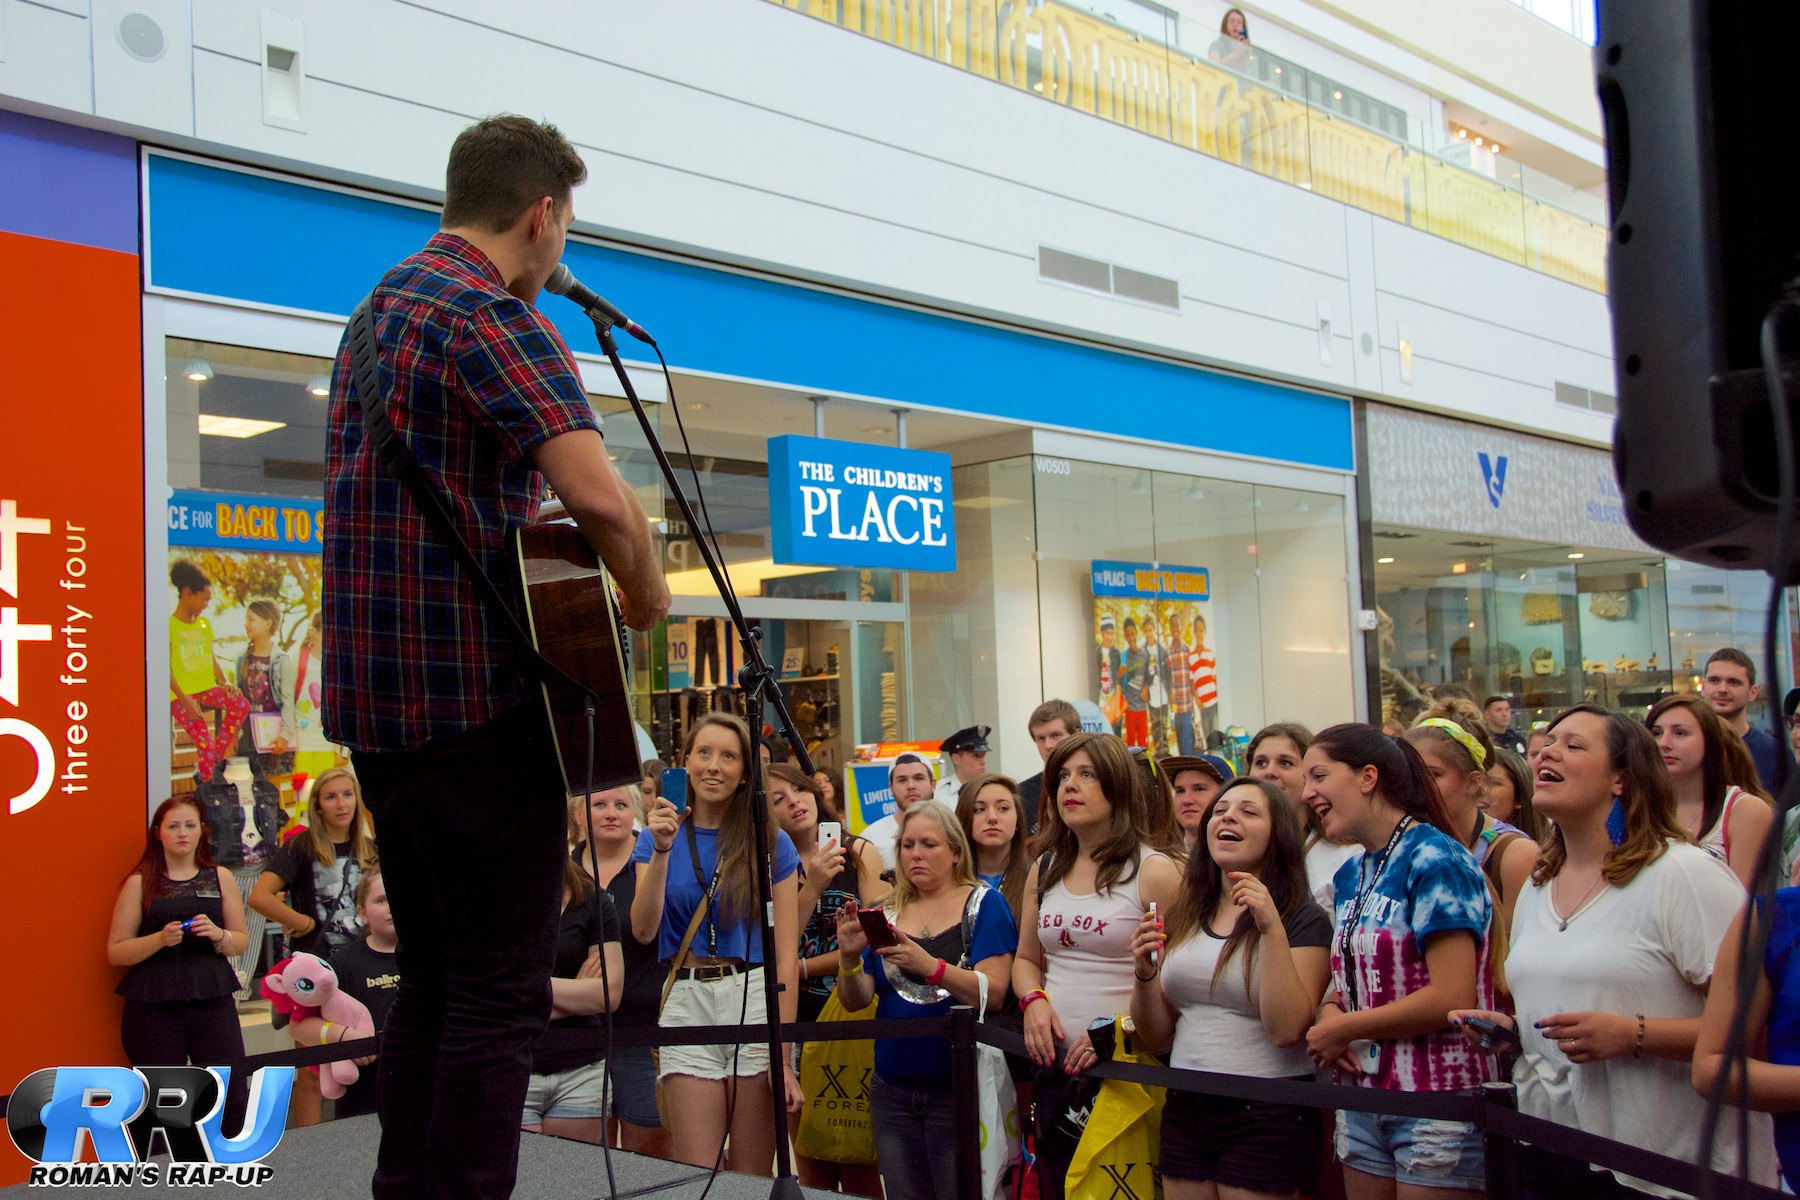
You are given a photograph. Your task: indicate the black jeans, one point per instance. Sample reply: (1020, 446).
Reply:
(472, 832)
(203, 1032)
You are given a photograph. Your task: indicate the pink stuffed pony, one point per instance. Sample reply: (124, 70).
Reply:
(304, 985)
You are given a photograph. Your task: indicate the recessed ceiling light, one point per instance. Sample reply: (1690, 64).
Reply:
(699, 405)
(198, 370)
(1383, 561)
(213, 425)
(1578, 554)
(875, 429)
(319, 385)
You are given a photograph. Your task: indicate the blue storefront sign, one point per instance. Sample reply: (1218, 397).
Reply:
(225, 521)
(846, 504)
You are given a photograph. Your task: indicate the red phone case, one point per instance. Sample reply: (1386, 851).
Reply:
(875, 926)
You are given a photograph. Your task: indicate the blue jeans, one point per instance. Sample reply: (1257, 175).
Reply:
(915, 1138)
(473, 833)
(1184, 731)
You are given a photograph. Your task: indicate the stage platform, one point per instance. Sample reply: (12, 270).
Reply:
(336, 1159)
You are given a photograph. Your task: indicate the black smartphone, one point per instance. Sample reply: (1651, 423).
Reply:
(876, 928)
(674, 787)
(1492, 1036)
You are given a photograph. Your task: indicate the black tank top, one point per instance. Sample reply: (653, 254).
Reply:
(192, 970)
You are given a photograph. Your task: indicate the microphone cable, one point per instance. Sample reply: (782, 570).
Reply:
(606, 1073)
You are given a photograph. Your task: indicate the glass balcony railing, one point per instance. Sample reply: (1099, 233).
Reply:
(1083, 61)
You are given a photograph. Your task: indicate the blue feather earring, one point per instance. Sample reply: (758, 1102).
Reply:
(1615, 821)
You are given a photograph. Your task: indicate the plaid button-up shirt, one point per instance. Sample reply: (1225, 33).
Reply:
(476, 378)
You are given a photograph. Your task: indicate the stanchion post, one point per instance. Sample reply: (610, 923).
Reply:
(964, 1076)
(1501, 1153)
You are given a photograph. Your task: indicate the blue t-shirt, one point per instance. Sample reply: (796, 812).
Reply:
(1782, 966)
(1764, 750)
(1428, 885)
(923, 1064)
(740, 938)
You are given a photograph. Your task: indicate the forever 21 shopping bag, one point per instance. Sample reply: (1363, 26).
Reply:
(1119, 1151)
(834, 1123)
(998, 1108)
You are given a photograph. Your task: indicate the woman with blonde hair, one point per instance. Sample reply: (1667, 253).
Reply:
(950, 933)
(696, 888)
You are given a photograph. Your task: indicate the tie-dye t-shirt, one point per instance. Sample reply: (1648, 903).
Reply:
(1429, 885)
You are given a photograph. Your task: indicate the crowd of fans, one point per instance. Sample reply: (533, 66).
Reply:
(1421, 909)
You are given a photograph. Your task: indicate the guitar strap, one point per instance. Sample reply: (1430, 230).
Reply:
(365, 371)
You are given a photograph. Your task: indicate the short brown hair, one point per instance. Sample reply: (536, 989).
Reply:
(1055, 710)
(1733, 655)
(501, 165)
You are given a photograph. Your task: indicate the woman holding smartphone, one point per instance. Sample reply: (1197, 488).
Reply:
(696, 883)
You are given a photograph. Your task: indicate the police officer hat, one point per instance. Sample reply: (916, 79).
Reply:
(973, 738)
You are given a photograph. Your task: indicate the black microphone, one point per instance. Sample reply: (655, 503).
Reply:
(593, 304)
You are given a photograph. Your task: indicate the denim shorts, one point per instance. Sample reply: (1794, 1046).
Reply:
(1414, 1150)
(571, 1095)
(634, 1087)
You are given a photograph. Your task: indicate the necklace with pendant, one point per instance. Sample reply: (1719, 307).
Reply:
(1562, 923)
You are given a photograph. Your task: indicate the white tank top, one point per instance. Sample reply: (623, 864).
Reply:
(1086, 941)
(1717, 840)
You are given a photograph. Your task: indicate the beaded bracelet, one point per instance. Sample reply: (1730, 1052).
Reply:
(1637, 1051)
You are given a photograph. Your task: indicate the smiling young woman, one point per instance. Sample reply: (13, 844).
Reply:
(707, 854)
(1612, 950)
(1412, 927)
(1244, 898)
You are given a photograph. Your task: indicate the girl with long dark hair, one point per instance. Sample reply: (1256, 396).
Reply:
(1097, 875)
(1412, 926)
(993, 819)
(178, 920)
(708, 855)
(1613, 947)
(1719, 799)
(1229, 982)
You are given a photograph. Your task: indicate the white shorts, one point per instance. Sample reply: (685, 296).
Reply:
(716, 1002)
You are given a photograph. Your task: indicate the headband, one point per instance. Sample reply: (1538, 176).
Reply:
(1463, 736)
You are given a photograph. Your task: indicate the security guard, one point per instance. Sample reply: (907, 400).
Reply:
(968, 751)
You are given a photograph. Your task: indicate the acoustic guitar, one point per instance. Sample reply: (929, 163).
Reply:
(568, 610)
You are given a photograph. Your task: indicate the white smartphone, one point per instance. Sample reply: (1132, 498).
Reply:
(831, 831)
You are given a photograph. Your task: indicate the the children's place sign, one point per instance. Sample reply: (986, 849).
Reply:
(846, 504)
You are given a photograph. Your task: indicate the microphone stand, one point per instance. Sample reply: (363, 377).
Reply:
(758, 682)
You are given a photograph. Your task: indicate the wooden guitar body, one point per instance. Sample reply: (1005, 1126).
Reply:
(570, 615)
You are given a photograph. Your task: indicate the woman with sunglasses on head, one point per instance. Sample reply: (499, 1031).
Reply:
(707, 857)
(1612, 951)
(1719, 799)
(1454, 742)
(1098, 872)
(1228, 981)
(1412, 928)
(1276, 754)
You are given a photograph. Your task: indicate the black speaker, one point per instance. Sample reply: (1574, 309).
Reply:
(1696, 96)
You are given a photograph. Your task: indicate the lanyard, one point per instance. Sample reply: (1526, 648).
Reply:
(1354, 913)
(711, 889)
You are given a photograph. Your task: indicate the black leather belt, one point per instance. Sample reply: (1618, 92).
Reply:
(712, 972)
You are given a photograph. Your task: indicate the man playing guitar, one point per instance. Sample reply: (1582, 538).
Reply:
(448, 734)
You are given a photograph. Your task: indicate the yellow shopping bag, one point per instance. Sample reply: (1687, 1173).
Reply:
(1119, 1150)
(834, 1122)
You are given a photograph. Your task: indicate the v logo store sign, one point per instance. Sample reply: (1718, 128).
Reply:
(1493, 475)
